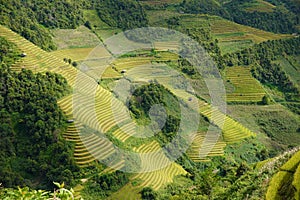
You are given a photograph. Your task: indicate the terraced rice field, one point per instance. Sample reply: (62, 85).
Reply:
(125, 132)
(246, 87)
(166, 46)
(91, 107)
(40, 61)
(152, 157)
(217, 149)
(236, 36)
(88, 147)
(115, 68)
(36, 60)
(232, 130)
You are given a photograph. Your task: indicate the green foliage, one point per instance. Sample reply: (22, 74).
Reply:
(29, 194)
(103, 185)
(29, 18)
(9, 53)
(204, 38)
(145, 97)
(202, 6)
(124, 14)
(30, 128)
(266, 100)
(148, 194)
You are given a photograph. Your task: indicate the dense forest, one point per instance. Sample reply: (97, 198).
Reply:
(116, 13)
(31, 123)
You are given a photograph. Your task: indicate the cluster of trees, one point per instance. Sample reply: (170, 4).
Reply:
(145, 97)
(124, 14)
(9, 53)
(281, 20)
(103, 185)
(205, 39)
(31, 123)
(30, 18)
(69, 61)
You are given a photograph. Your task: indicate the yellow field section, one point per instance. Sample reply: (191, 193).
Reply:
(79, 54)
(166, 46)
(217, 148)
(153, 158)
(246, 87)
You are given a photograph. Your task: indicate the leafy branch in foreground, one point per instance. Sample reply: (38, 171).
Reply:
(27, 194)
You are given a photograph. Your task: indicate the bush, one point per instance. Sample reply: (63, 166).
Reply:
(148, 194)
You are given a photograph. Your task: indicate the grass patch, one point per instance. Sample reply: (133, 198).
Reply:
(291, 65)
(281, 126)
(100, 28)
(81, 37)
(129, 191)
(235, 45)
(257, 118)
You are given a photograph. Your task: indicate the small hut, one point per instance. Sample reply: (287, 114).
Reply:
(23, 54)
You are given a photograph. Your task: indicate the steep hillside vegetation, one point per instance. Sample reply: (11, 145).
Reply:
(31, 124)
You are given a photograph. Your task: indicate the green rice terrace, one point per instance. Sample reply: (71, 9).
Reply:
(85, 116)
